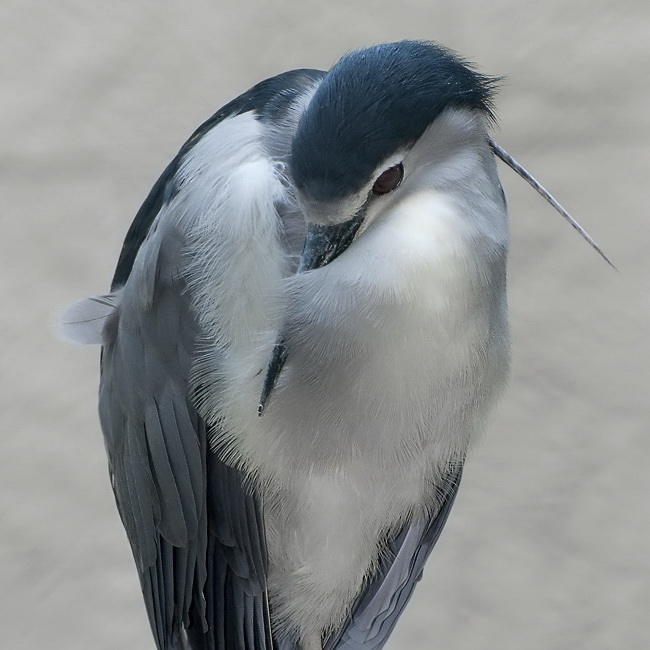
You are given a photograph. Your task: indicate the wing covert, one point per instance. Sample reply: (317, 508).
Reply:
(195, 530)
(189, 519)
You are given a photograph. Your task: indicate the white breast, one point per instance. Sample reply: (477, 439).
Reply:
(393, 364)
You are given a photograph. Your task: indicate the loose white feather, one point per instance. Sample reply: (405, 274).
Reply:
(84, 322)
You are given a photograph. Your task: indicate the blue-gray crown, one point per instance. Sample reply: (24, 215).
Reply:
(374, 102)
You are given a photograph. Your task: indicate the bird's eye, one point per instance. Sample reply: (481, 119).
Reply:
(389, 179)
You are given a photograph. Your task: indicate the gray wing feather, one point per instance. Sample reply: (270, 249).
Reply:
(194, 529)
(384, 599)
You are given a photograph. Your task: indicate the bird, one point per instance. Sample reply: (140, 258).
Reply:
(305, 333)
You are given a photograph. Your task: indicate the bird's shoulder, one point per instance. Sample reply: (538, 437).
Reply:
(268, 101)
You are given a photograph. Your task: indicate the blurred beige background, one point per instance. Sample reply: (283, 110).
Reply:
(548, 544)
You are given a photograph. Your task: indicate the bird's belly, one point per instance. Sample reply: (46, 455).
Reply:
(387, 382)
(373, 438)
(324, 537)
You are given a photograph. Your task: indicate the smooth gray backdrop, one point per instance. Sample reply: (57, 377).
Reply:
(547, 547)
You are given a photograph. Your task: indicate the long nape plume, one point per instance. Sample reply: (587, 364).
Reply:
(515, 166)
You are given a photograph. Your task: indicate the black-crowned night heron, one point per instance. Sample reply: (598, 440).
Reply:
(306, 328)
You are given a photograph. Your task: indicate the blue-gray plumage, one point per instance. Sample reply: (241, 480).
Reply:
(334, 242)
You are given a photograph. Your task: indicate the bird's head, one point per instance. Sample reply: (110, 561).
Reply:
(365, 136)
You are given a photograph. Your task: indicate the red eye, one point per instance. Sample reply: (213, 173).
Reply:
(389, 179)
